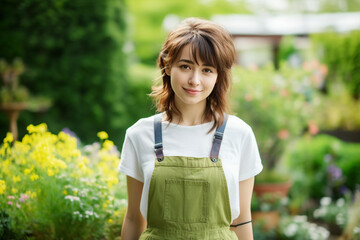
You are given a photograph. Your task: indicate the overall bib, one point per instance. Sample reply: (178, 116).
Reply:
(188, 197)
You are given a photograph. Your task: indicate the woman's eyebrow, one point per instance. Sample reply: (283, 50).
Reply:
(186, 60)
(191, 62)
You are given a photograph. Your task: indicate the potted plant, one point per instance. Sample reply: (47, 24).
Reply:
(15, 97)
(278, 105)
(266, 209)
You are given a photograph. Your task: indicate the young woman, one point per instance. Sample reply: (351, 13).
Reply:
(190, 169)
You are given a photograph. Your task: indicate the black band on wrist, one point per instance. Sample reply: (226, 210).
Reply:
(241, 224)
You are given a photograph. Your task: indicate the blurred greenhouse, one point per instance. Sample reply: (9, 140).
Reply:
(76, 74)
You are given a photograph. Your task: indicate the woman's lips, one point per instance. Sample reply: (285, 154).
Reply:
(192, 91)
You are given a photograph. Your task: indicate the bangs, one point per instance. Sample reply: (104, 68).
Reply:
(202, 49)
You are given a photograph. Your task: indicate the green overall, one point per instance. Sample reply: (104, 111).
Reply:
(188, 197)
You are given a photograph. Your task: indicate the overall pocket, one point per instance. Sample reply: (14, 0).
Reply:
(186, 200)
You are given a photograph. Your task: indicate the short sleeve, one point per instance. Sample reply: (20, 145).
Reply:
(129, 164)
(250, 162)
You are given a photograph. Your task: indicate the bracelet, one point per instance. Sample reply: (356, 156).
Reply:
(241, 224)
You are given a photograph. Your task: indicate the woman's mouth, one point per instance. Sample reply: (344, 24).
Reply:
(191, 91)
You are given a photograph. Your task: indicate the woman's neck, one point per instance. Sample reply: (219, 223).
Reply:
(190, 115)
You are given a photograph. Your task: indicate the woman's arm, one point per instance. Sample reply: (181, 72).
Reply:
(244, 232)
(134, 223)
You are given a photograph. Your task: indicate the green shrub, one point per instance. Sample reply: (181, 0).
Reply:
(139, 104)
(74, 54)
(337, 109)
(277, 104)
(341, 53)
(322, 166)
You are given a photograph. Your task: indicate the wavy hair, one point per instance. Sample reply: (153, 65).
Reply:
(212, 44)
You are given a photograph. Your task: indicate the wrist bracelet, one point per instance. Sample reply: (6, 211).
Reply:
(241, 224)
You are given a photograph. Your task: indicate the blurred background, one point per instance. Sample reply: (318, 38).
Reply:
(75, 74)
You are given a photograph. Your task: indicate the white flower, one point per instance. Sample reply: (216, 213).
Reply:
(320, 212)
(340, 219)
(356, 230)
(90, 213)
(325, 201)
(340, 202)
(300, 218)
(318, 233)
(76, 213)
(284, 201)
(291, 230)
(323, 232)
(72, 198)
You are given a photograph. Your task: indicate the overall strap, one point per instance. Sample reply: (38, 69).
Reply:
(158, 137)
(215, 149)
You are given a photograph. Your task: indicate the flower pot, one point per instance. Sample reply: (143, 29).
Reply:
(280, 189)
(269, 219)
(12, 111)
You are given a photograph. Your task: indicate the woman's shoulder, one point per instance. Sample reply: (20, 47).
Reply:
(237, 125)
(142, 126)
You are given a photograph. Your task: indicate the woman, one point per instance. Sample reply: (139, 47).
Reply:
(190, 169)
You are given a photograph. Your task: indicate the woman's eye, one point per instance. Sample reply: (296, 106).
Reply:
(184, 67)
(208, 70)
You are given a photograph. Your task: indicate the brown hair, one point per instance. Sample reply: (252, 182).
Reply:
(214, 45)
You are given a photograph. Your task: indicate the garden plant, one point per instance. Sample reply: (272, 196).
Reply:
(51, 187)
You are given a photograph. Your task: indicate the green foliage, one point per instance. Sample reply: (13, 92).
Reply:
(139, 104)
(11, 91)
(341, 54)
(277, 104)
(73, 51)
(337, 109)
(268, 202)
(286, 48)
(322, 165)
(272, 176)
(352, 229)
(261, 234)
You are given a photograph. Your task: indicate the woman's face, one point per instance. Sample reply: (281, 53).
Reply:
(192, 83)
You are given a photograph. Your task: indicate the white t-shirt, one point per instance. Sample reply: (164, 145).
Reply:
(238, 152)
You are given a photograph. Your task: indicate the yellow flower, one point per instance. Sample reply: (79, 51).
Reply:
(41, 128)
(107, 145)
(50, 172)
(34, 177)
(2, 186)
(75, 192)
(112, 181)
(110, 220)
(5, 167)
(16, 179)
(27, 171)
(59, 164)
(31, 194)
(14, 190)
(65, 192)
(9, 138)
(102, 135)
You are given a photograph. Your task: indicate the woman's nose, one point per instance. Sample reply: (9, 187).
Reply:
(195, 78)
